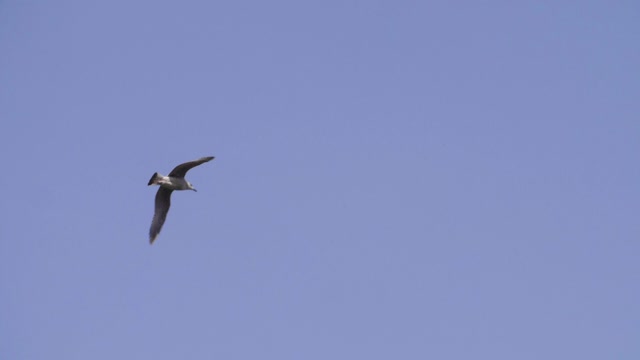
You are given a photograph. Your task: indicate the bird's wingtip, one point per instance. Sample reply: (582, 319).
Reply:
(153, 237)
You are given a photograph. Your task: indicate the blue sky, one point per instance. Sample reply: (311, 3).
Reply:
(393, 180)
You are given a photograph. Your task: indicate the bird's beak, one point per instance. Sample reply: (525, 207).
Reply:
(194, 190)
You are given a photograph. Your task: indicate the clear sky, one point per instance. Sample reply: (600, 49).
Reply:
(393, 180)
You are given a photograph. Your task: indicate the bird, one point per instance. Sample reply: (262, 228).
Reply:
(174, 181)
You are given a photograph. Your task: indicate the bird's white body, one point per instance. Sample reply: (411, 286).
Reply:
(172, 183)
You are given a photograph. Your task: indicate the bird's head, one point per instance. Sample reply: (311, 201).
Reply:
(191, 187)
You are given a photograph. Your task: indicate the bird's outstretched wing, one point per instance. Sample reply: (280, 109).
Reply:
(180, 170)
(163, 202)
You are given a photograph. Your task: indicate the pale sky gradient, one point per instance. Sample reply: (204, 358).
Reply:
(393, 180)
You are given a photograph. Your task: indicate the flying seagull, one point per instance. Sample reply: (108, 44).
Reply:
(175, 181)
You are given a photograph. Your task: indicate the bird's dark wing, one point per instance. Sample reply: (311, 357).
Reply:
(163, 202)
(181, 170)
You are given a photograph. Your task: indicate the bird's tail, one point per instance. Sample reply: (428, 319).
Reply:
(153, 179)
